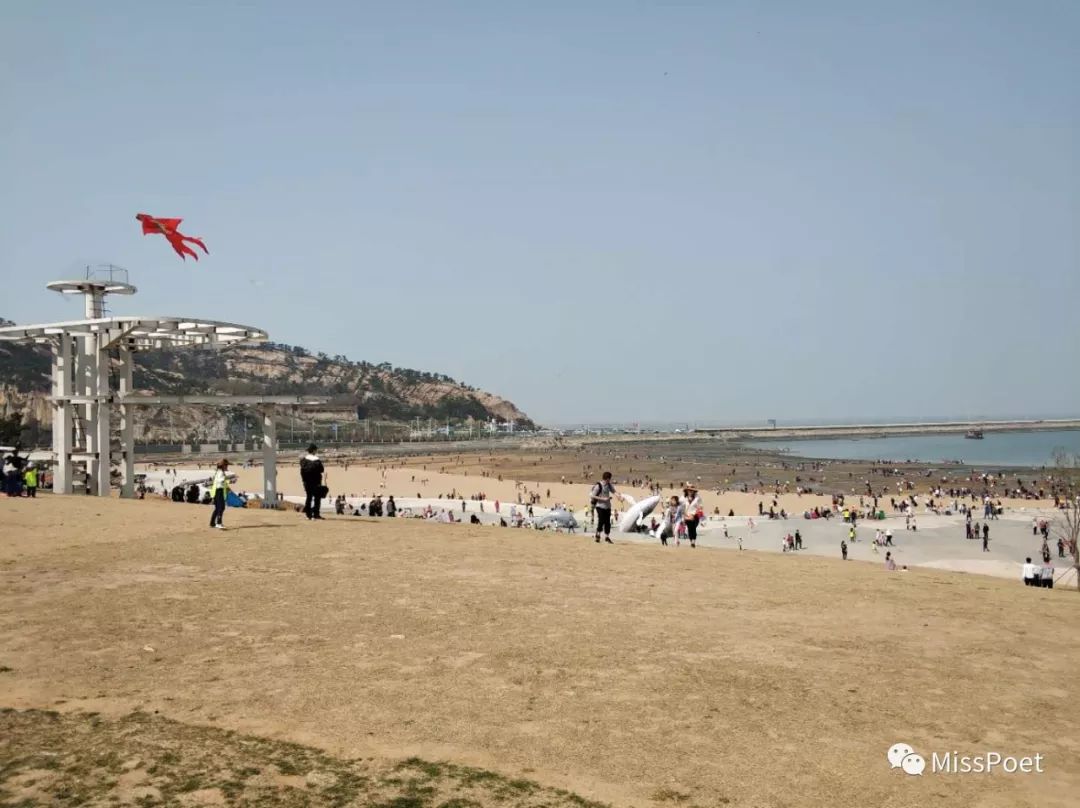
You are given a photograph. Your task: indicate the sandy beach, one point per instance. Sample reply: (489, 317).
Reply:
(937, 542)
(418, 481)
(630, 675)
(425, 481)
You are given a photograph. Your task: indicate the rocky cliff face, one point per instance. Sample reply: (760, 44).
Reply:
(30, 407)
(358, 392)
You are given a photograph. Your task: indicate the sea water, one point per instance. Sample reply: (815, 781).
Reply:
(1035, 448)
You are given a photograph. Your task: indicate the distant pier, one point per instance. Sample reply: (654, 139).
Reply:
(886, 430)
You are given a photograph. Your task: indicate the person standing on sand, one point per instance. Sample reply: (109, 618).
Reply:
(843, 549)
(600, 499)
(1030, 573)
(219, 490)
(676, 519)
(1046, 575)
(671, 516)
(693, 510)
(30, 481)
(311, 474)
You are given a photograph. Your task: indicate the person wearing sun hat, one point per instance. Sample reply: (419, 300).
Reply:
(692, 512)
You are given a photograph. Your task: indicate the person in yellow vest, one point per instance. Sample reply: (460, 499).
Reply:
(219, 490)
(30, 480)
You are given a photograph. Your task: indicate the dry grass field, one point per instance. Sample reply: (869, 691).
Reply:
(149, 660)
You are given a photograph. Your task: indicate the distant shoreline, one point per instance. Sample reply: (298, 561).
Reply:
(771, 442)
(735, 437)
(854, 430)
(886, 430)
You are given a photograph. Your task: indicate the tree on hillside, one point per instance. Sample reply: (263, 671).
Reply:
(1067, 528)
(11, 429)
(1067, 524)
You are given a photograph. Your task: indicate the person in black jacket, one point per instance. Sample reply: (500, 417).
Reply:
(311, 474)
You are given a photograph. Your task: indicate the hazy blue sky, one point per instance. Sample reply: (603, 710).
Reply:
(603, 211)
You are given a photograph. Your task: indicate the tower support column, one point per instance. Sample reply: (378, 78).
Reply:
(62, 378)
(127, 426)
(102, 415)
(269, 458)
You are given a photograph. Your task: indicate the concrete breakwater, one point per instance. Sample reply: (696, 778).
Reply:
(885, 430)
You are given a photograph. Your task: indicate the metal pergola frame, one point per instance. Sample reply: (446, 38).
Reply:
(84, 354)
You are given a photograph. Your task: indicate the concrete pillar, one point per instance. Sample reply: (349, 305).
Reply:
(127, 427)
(84, 414)
(86, 386)
(102, 419)
(77, 387)
(270, 492)
(94, 303)
(63, 376)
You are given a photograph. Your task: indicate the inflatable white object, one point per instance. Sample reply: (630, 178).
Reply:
(638, 510)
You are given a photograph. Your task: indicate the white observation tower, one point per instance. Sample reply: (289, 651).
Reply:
(92, 375)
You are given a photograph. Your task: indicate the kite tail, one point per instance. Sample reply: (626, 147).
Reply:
(198, 241)
(181, 248)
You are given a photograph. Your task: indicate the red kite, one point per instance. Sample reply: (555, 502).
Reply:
(167, 228)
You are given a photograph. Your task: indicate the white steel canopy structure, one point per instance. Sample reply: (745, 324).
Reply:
(141, 333)
(85, 355)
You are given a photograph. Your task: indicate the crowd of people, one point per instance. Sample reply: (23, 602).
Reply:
(677, 518)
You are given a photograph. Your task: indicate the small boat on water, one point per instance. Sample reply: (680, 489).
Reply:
(974, 434)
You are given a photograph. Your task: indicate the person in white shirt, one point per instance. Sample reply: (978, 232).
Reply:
(692, 510)
(1031, 573)
(1046, 576)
